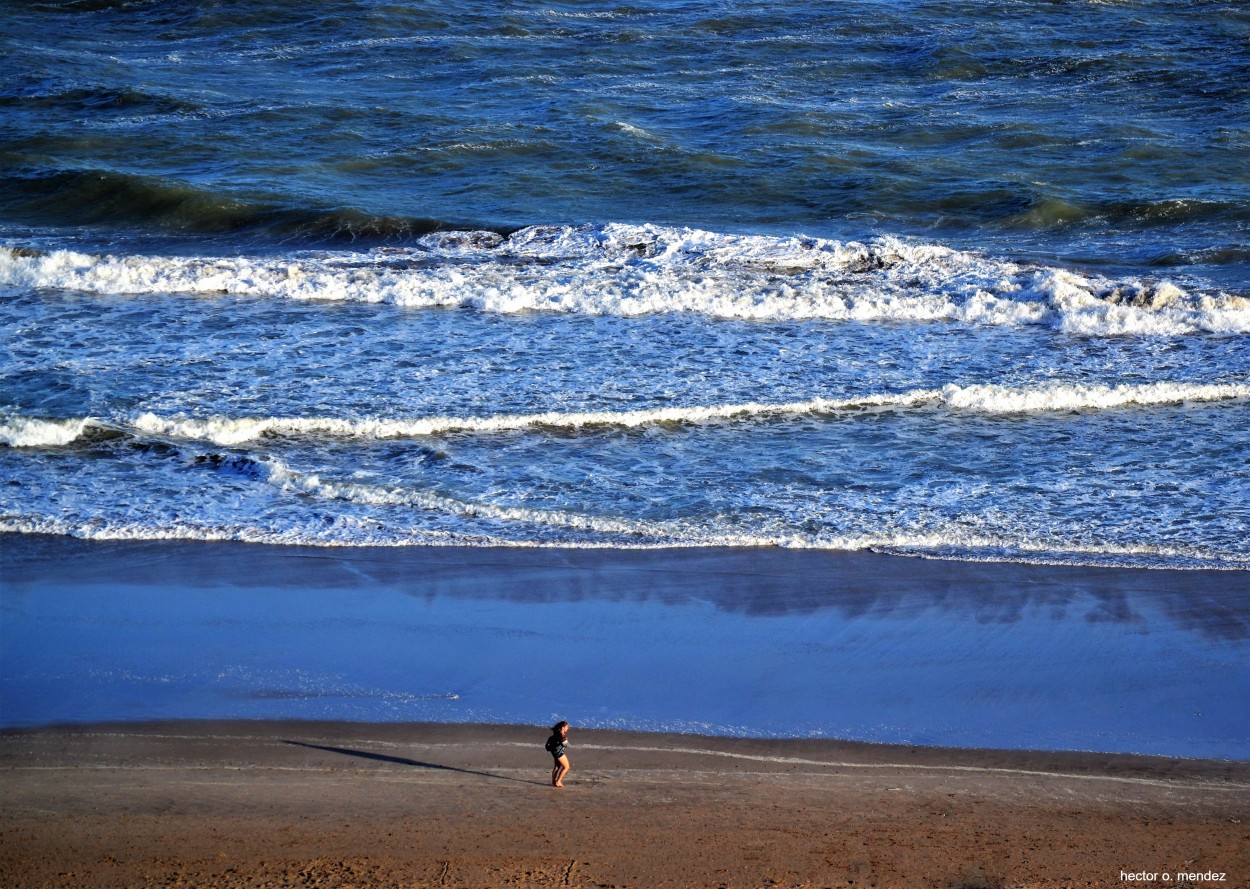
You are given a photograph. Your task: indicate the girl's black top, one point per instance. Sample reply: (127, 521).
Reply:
(555, 745)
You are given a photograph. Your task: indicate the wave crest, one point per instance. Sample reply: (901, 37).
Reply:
(34, 432)
(20, 431)
(983, 398)
(635, 270)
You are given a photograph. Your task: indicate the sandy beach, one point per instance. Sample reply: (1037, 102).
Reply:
(205, 714)
(332, 804)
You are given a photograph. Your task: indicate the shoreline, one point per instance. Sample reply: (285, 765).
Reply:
(778, 751)
(710, 642)
(1063, 560)
(233, 804)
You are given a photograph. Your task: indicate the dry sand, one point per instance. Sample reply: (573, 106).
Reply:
(334, 804)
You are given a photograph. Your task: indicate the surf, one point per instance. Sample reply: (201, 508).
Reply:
(631, 271)
(19, 431)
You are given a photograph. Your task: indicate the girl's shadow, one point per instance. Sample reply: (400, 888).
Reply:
(399, 760)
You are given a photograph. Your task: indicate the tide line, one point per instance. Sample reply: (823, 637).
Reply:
(790, 760)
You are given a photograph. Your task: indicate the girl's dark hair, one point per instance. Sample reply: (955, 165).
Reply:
(555, 729)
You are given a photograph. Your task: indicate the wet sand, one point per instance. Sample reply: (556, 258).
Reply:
(249, 804)
(737, 642)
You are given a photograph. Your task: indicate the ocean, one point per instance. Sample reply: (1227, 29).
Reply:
(951, 280)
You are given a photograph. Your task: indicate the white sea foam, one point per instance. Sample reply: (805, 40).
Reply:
(226, 431)
(993, 399)
(428, 516)
(383, 495)
(637, 132)
(605, 533)
(989, 399)
(20, 431)
(634, 270)
(33, 432)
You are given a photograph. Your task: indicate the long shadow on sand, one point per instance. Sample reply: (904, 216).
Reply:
(416, 763)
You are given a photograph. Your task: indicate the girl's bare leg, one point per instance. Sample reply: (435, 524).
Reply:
(561, 769)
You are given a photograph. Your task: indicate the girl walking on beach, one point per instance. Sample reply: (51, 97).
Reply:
(556, 745)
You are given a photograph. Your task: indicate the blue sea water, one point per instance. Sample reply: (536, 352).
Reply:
(941, 278)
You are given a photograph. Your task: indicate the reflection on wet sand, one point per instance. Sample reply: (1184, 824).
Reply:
(857, 646)
(764, 582)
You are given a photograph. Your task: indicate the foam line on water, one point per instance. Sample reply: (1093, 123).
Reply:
(634, 270)
(982, 398)
(584, 531)
(23, 431)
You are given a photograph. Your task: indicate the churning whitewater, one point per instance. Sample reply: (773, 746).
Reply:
(629, 270)
(627, 386)
(968, 281)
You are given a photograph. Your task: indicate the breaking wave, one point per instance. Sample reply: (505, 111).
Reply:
(636, 270)
(33, 432)
(22, 431)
